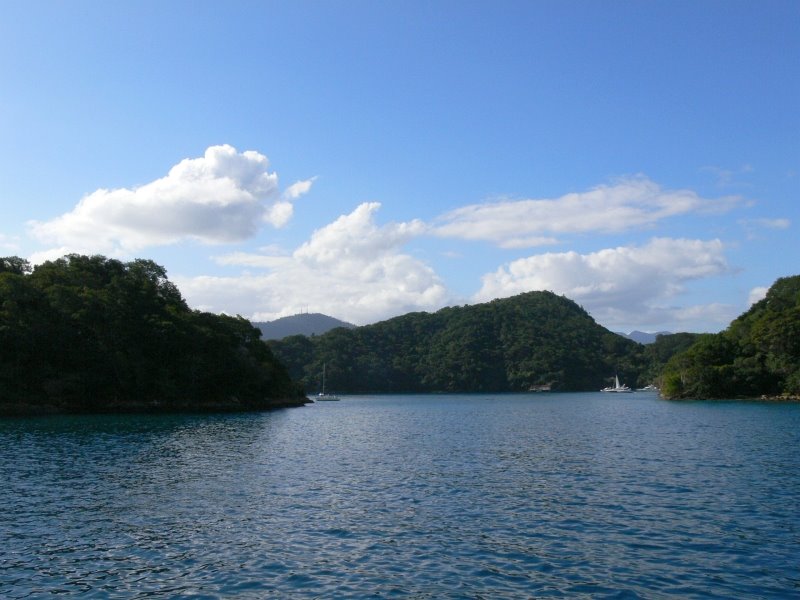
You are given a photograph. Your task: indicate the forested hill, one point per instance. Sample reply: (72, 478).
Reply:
(92, 334)
(757, 355)
(504, 345)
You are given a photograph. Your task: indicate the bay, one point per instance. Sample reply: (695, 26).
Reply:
(430, 496)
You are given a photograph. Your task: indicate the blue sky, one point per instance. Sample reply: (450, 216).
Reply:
(366, 159)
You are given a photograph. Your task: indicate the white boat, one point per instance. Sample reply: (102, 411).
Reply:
(620, 389)
(322, 396)
(648, 388)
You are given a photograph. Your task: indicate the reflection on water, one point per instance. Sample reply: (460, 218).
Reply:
(408, 496)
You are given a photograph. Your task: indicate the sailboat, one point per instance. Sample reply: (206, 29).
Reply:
(623, 389)
(322, 395)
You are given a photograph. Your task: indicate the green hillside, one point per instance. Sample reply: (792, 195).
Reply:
(92, 334)
(758, 354)
(504, 345)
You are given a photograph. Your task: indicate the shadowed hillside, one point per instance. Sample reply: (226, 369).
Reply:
(758, 354)
(93, 334)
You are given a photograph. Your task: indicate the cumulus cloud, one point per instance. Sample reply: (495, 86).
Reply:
(616, 285)
(756, 294)
(355, 238)
(41, 256)
(224, 196)
(352, 268)
(629, 204)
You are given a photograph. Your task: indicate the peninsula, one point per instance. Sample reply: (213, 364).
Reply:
(89, 334)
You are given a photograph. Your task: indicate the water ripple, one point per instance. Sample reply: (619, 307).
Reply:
(407, 497)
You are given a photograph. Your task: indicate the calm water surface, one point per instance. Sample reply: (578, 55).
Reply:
(480, 496)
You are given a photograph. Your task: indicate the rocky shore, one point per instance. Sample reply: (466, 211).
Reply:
(781, 398)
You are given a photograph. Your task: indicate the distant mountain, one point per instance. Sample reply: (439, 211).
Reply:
(644, 337)
(307, 324)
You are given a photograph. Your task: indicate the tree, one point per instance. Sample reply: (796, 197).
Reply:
(15, 265)
(758, 354)
(89, 333)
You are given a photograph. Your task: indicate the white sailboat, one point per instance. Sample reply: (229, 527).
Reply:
(322, 395)
(623, 389)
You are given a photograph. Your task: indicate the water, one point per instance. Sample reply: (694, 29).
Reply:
(510, 496)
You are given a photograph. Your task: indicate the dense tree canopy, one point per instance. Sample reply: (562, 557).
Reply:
(758, 354)
(89, 333)
(653, 357)
(504, 345)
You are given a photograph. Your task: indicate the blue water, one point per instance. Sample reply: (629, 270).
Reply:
(480, 496)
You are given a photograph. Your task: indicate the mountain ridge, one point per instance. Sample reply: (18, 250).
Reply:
(308, 324)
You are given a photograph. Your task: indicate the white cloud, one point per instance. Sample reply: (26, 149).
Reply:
(629, 204)
(224, 196)
(628, 285)
(355, 238)
(279, 214)
(767, 223)
(357, 270)
(754, 228)
(38, 258)
(756, 294)
(298, 188)
(352, 269)
(697, 318)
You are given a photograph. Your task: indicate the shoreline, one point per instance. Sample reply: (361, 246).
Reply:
(786, 398)
(49, 410)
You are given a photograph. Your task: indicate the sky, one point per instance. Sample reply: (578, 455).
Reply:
(368, 159)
